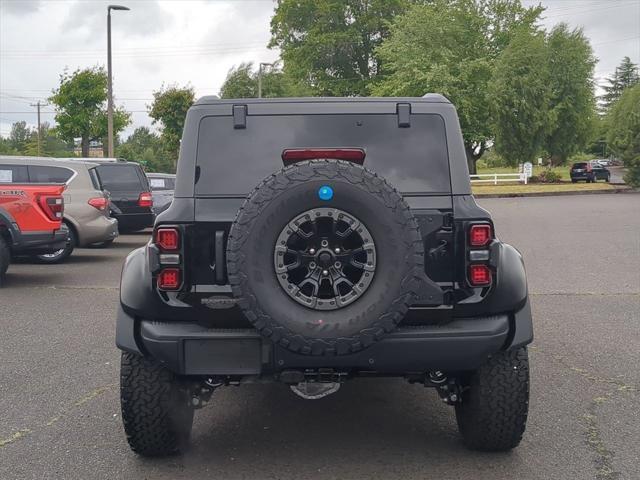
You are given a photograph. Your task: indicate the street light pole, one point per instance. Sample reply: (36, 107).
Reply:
(260, 70)
(109, 81)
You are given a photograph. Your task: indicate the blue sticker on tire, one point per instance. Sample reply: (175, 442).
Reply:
(325, 192)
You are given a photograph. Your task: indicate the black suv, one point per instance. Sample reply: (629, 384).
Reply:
(589, 172)
(312, 241)
(131, 200)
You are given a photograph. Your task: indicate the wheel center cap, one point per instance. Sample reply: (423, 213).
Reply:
(325, 259)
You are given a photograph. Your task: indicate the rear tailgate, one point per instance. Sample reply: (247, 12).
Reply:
(124, 183)
(26, 206)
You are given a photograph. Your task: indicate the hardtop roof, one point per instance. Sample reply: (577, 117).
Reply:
(428, 98)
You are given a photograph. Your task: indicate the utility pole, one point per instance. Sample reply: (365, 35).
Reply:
(260, 70)
(38, 105)
(109, 81)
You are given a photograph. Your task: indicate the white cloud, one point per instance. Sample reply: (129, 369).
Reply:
(197, 42)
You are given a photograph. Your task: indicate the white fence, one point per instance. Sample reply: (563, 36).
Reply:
(500, 177)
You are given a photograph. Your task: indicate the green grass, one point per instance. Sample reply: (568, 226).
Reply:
(505, 189)
(562, 171)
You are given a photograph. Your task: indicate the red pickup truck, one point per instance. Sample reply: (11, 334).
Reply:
(30, 221)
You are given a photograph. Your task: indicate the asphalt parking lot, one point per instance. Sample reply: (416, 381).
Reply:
(59, 374)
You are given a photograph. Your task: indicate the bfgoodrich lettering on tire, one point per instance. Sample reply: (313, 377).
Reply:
(352, 257)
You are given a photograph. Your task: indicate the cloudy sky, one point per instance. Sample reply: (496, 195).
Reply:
(196, 42)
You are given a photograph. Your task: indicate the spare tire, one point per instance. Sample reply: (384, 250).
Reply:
(324, 257)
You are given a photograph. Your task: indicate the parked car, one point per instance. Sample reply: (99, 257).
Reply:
(131, 200)
(86, 212)
(589, 172)
(603, 161)
(162, 186)
(30, 217)
(300, 248)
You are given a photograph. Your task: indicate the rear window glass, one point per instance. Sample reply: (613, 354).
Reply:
(233, 161)
(119, 178)
(161, 183)
(42, 174)
(13, 174)
(579, 165)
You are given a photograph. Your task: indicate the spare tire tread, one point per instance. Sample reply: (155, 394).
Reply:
(265, 193)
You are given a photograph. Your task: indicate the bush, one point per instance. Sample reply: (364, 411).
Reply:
(546, 176)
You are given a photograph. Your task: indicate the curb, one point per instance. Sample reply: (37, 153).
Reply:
(555, 194)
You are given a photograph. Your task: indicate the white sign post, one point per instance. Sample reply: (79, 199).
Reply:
(527, 171)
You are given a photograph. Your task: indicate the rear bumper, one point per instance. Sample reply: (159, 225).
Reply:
(100, 229)
(191, 349)
(134, 221)
(38, 243)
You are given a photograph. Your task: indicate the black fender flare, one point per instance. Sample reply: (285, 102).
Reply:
(140, 300)
(7, 221)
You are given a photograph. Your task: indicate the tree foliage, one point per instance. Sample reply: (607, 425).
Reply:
(146, 147)
(625, 76)
(169, 109)
(521, 98)
(330, 44)
(242, 82)
(624, 132)
(451, 47)
(572, 100)
(81, 110)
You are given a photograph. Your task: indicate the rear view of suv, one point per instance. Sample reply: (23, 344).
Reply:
(86, 212)
(131, 200)
(590, 172)
(313, 241)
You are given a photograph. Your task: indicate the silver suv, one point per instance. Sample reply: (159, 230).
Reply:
(86, 211)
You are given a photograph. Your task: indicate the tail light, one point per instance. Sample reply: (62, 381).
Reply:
(52, 206)
(145, 200)
(168, 242)
(479, 275)
(100, 203)
(168, 239)
(480, 234)
(169, 279)
(294, 155)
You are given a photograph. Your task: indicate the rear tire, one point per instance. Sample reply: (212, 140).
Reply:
(5, 259)
(493, 413)
(156, 413)
(63, 253)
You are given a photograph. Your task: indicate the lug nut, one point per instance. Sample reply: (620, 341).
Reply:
(325, 272)
(337, 250)
(312, 251)
(312, 265)
(337, 264)
(324, 243)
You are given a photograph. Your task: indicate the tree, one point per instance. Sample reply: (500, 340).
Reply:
(51, 145)
(145, 147)
(19, 136)
(520, 96)
(451, 47)
(6, 148)
(169, 108)
(572, 101)
(624, 132)
(80, 102)
(625, 76)
(242, 82)
(330, 44)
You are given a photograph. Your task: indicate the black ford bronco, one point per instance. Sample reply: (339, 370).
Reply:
(312, 241)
